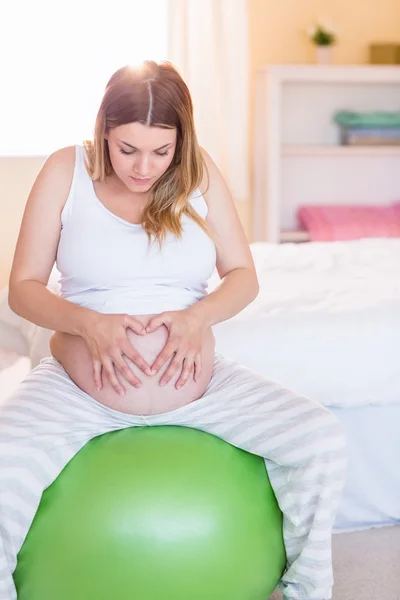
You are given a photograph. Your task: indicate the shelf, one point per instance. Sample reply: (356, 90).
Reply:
(298, 156)
(294, 236)
(352, 74)
(341, 151)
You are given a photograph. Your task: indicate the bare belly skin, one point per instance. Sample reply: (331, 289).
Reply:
(73, 354)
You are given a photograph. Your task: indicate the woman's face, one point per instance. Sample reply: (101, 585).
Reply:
(140, 154)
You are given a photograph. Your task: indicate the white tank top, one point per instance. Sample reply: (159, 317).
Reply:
(107, 264)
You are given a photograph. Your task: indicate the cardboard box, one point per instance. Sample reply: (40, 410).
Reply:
(384, 54)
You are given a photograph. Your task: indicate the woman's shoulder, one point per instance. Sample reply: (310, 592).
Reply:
(213, 183)
(58, 168)
(208, 164)
(66, 152)
(208, 175)
(64, 157)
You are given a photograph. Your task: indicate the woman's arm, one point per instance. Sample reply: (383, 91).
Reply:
(237, 289)
(235, 263)
(36, 250)
(33, 301)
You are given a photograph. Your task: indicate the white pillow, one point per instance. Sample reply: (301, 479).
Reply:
(21, 336)
(11, 337)
(12, 376)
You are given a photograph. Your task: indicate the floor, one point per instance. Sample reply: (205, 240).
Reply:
(366, 565)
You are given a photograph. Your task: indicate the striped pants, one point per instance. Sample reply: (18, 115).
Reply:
(48, 419)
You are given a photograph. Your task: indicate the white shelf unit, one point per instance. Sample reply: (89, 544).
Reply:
(298, 157)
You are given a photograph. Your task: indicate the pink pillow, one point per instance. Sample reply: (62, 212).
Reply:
(329, 223)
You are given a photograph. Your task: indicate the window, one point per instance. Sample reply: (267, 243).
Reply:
(56, 59)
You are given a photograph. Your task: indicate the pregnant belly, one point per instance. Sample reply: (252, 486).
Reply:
(73, 354)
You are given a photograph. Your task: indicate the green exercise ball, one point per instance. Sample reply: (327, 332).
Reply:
(154, 513)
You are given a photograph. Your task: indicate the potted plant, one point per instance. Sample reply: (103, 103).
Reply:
(323, 36)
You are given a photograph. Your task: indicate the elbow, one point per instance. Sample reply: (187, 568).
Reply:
(256, 287)
(253, 285)
(250, 283)
(13, 301)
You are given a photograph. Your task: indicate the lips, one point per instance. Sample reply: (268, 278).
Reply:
(138, 180)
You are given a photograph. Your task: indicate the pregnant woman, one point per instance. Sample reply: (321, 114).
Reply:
(136, 220)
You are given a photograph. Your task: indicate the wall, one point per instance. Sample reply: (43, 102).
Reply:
(16, 179)
(277, 29)
(276, 36)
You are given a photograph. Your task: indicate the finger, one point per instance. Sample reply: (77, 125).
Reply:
(188, 365)
(154, 324)
(197, 367)
(135, 325)
(108, 368)
(165, 354)
(136, 358)
(97, 375)
(123, 368)
(174, 366)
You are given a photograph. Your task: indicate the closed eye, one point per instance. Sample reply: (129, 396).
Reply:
(158, 153)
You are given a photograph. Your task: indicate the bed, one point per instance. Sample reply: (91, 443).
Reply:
(326, 323)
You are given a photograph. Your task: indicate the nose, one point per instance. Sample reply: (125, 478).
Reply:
(142, 167)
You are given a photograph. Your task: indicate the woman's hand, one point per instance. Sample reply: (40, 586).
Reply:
(105, 335)
(185, 341)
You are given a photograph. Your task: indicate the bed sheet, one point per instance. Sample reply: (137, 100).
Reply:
(323, 277)
(371, 496)
(339, 359)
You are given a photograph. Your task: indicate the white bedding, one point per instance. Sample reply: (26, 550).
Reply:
(326, 321)
(345, 359)
(324, 277)
(12, 375)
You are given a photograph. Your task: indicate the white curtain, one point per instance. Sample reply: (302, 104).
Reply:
(208, 43)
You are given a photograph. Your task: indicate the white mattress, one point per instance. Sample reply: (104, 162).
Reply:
(342, 359)
(371, 497)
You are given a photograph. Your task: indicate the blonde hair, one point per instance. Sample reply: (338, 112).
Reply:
(154, 95)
